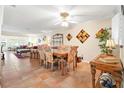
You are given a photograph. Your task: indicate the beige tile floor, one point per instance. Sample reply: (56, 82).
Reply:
(26, 73)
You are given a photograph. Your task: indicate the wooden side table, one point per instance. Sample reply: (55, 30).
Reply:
(114, 69)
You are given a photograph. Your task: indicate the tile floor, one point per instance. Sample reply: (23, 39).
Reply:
(26, 73)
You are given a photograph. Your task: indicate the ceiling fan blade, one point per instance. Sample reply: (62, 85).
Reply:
(57, 23)
(82, 18)
(75, 22)
(84, 15)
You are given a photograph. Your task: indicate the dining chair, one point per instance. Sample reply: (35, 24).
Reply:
(76, 50)
(72, 57)
(42, 55)
(64, 64)
(50, 60)
(49, 56)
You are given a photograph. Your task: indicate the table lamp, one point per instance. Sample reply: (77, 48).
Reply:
(110, 44)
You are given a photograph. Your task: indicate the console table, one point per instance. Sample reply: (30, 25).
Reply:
(114, 69)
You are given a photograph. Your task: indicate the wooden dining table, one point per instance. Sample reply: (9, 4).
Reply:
(63, 54)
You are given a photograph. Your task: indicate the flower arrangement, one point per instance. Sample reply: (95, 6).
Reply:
(103, 35)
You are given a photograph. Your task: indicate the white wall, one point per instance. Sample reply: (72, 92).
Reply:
(1, 20)
(89, 49)
(1, 17)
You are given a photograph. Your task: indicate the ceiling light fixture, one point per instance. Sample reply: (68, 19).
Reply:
(64, 14)
(64, 17)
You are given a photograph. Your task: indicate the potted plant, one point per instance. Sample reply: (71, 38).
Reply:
(103, 35)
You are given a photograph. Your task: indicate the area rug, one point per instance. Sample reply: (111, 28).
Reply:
(20, 56)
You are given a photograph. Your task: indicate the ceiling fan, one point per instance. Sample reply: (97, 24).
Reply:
(73, 14)
(65, 19)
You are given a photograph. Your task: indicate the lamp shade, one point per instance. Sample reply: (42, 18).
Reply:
(110, 43)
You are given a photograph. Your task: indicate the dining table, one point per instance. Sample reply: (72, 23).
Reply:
(59, 53)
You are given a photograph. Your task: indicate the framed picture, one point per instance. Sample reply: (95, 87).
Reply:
(82, 36)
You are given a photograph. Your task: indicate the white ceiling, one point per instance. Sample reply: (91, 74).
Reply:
(29, 19)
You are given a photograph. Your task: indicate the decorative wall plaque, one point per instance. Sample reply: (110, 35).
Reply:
(82, 36)
(69, 37)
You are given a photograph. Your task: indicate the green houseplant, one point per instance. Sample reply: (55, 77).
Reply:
(103, 35)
